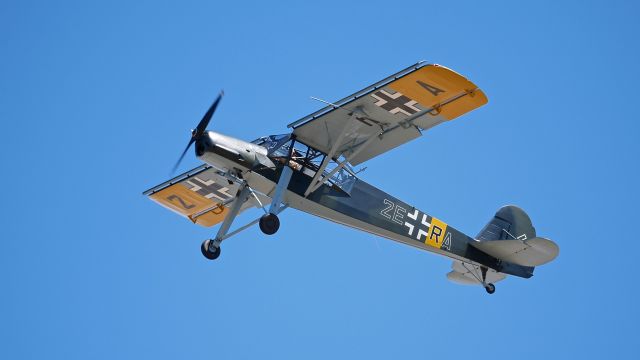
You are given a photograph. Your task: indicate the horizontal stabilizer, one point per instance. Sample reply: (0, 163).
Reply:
(531, 252)
(469, 274)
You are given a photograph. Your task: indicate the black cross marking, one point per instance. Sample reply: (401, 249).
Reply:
(205, 189)
(392, 103)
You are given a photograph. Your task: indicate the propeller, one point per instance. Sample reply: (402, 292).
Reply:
(200, 129)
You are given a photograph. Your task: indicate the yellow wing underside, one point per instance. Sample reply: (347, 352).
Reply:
(188, 203)
(202, 195)
(447, 92)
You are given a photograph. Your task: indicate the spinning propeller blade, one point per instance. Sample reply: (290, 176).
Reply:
(200, 129)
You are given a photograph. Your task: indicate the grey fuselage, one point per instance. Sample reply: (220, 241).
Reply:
(365, 207)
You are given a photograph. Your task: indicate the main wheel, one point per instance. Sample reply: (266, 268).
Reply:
(269, 224)
(209, 251)
(490, 288)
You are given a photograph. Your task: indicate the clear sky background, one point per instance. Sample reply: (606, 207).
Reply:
(96, 103)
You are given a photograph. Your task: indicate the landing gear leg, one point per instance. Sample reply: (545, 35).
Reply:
(210, 248)
(269, 223)
(489, 287)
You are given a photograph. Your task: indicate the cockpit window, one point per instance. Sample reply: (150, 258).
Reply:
(273, 143)
(307, 160)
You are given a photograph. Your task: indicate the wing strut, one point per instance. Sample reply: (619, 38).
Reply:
(354, 123)
(330, 154)
(342, 164)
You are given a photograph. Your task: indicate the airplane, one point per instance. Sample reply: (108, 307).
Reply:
(311, 169)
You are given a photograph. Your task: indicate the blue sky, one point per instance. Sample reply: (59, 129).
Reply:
(96, 103)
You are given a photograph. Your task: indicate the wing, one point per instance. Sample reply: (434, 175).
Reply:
(469, 274)
(203, 195)
(389, 113)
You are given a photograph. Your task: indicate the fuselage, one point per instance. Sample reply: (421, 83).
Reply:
(363, 207)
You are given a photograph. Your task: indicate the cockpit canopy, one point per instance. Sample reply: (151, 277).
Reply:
(273, 143)
(307, 160)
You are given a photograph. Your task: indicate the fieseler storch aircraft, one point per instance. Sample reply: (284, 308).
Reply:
(311, 169)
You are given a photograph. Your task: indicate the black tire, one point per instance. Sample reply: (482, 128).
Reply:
(209, 251)
(269, 224)
(490, 288)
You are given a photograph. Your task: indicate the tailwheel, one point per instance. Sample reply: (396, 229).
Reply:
(210, 250)
(490, 288)
(269, 224)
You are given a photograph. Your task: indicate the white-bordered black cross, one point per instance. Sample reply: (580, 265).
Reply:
(395, 103)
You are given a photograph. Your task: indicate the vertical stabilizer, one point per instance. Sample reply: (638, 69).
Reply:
(509, 223)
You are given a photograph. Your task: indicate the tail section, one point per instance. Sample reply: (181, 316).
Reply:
(511, 237)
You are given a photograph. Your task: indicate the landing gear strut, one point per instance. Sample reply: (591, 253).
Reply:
(487, 286)
(210, 249)
(269, 223)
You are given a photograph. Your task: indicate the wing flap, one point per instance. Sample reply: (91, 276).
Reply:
(382, 145)
(531, 252)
